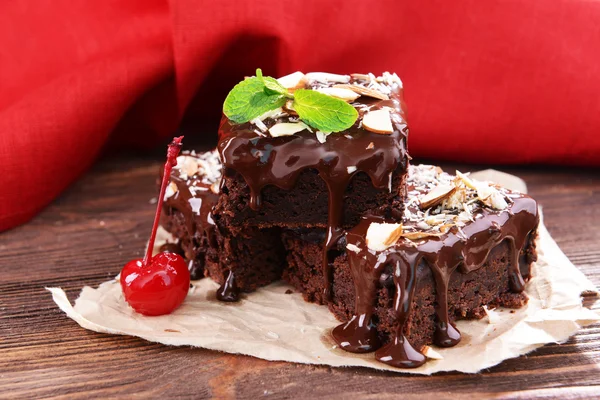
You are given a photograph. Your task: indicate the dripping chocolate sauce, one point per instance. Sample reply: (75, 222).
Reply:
(197, 212)
(279, 161)
(463, 251)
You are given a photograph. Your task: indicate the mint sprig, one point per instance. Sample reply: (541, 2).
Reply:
(256, 95)
(249, 99)
(324, 112)
(272, 87)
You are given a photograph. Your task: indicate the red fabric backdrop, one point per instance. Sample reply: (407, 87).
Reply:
(486, 81)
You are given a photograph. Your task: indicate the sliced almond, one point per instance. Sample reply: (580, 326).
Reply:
(287, 128)
(343, 94)
(446, 227)
(484, 190)
(433, 221)
(187, 165)
(381, 236)
(466, 180)
(276, 113)
(259, 124)
(378, 121)
(456, 200)
(370, 146)
(420, 235)
(364, 91)
(361, 77)
(321, 136)
(431, 353)
(490, 196)
(436, 195)
(496, 201)
(171, 190)
(294, 81)
(325, 77)
(215, 187)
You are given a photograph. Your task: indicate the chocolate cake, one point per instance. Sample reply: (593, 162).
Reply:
(308, 178)
(229, 259)
(397, 254)
(461, 245)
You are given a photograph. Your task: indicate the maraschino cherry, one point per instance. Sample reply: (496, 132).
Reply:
(157, 285)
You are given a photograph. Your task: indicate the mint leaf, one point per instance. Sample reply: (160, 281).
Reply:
(249, 99)
(271, 85)
(324, 112)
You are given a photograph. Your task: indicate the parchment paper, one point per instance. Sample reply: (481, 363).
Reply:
(272, 325)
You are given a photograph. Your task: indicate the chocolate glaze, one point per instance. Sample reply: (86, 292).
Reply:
(463, 250)
(264, 160)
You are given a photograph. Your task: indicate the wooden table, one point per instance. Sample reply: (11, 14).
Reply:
(86, 236)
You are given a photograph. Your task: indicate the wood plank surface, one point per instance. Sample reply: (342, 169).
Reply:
(102, 221)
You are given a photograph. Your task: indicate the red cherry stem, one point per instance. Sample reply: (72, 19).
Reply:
(172, 154)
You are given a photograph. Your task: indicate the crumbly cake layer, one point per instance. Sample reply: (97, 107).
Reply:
(305, 204)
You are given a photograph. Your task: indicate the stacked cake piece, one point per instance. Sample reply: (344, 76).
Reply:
(396, 253)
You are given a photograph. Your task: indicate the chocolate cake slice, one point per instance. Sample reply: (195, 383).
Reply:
(242, 261)
(399, 285)
(397, 254)
(280, 172)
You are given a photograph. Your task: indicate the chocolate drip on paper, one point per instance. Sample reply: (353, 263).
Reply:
(228, 292)
(263, 160)
(464, 250)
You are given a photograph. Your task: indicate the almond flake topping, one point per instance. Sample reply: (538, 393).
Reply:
(287, 128)
(431, 353)
(380, 236)
(339, 93)
(420, 235)
(321, 136)
(325, 77)
(187, 165)
(171, 190)
(378, 121)
(294, 81)
(274, 114)
(437, 195)
(361, 77)
(365, 91)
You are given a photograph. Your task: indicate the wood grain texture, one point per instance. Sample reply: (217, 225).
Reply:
(87, 235)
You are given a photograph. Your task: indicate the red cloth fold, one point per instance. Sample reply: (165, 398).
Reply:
(510, 81)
